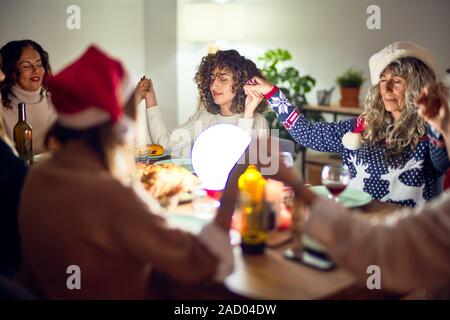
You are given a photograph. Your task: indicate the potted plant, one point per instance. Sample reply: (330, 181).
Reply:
(350, 83)
(293, 85)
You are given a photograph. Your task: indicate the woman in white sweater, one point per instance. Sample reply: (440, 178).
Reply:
(220, 80)
(26, 65)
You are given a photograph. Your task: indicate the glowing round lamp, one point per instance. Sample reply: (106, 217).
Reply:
(215, 153)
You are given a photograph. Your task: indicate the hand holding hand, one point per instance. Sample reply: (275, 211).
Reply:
(433, 107)
(259, 85)
(252, 101)
(272, 165)
(145, 90)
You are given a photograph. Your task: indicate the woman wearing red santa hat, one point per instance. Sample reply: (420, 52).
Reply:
(83, 207)
(26, 66)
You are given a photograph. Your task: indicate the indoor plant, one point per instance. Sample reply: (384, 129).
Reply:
(350, 83)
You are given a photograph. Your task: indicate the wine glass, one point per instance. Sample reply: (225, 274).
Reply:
(335, 178)
(204, 206)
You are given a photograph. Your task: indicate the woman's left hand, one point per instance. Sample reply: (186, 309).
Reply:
(145, 90)
(252, 101)
(433, 107)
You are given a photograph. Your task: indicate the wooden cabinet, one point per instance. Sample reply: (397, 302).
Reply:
(335, 110)
(314, 163)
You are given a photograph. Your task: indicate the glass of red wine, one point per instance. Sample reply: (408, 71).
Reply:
(335, 178)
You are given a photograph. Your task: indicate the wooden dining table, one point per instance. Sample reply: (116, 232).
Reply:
(271, 276)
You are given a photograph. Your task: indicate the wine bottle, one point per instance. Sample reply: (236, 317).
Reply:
(253, 210)
(23, 136)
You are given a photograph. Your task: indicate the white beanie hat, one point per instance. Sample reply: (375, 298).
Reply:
(401, 49)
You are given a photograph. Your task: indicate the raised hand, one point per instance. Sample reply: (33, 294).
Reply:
(259, 85)
(145, 90)
(252, 101)
(141, 89)
(433, 107)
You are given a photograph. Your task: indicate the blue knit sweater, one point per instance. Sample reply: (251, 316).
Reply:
(411, 179)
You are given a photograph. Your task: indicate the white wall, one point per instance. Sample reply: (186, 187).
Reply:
(325, 37)
(117, 26)
(140, 33)
(161, 55)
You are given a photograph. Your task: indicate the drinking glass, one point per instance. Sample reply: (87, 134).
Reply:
(335, 178)
(204, 206)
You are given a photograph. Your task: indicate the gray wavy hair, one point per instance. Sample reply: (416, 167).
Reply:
(406, 132)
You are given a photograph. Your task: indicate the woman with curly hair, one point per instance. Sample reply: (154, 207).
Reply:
(26, 65)
(390, 151)
(220, 80)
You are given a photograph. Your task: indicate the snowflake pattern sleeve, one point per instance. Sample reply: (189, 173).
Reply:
(438, 152)
(323, 136)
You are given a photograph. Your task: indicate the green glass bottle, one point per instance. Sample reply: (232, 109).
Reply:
(23, 136)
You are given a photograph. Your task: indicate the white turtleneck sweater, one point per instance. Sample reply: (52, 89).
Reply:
(180, 140)
(40, 115)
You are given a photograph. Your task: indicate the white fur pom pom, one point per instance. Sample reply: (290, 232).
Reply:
(352, 141)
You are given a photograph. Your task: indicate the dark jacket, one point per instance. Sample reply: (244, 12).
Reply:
(12, 175)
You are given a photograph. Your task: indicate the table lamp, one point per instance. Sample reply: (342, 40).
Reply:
(216, 151)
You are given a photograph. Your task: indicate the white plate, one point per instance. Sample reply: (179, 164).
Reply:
(195, 224)
(149, 159)
(188, 223)
(350, 198)
(165, 154)
(185, 163)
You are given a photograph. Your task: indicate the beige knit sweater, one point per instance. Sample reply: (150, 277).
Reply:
(40, 115)
(411, 247)
(73, 212)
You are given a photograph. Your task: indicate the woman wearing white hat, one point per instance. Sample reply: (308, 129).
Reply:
(390, 151)
(411, 247)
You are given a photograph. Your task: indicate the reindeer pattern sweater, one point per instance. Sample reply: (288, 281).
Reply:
(409, 180)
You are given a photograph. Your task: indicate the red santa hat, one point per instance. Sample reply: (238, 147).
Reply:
(90, 91)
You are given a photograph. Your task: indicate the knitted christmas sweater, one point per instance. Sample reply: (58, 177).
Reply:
(409, 179)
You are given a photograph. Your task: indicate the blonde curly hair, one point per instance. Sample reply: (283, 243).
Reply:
(406, 132)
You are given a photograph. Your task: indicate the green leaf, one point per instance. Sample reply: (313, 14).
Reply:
(351, 78)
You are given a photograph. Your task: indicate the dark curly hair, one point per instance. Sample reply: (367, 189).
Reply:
(11, 53)
(242, 70)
